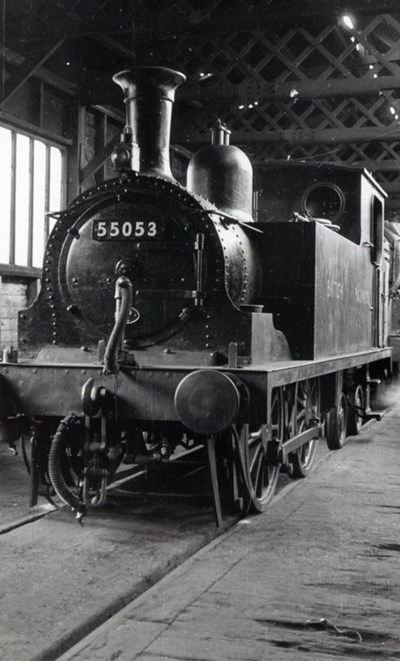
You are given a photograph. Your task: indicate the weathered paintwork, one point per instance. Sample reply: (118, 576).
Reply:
(43, 389)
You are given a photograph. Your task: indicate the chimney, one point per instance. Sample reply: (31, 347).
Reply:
(149, 95)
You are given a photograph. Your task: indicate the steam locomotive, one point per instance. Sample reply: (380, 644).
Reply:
(169, 318)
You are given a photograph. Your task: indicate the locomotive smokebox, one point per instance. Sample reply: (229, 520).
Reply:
(208, 401)
(149, 95)
(222, 174)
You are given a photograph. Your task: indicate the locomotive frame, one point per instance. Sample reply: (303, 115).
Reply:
(267, 381)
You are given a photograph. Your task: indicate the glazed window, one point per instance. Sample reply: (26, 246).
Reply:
(377, 230)
(323, 200)
(31, 184)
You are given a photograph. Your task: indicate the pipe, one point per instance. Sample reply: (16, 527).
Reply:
(54, 465)
(123, 296)
(149, 95)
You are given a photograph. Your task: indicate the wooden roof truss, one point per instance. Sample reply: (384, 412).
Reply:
(286, 77)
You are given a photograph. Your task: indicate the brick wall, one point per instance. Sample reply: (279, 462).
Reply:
(13, 297)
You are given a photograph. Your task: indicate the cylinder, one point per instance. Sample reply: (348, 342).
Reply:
(149, 95)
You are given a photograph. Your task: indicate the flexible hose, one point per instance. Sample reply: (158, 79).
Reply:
(124, 295)
(55, 473)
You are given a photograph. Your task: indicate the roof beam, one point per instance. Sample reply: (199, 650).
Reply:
(163, 25)
(383, 166)
(41, 73)
(27, 69)
(296, 89)
(373, 166)
(115, 46)
(391, 188)
(67, 23)
(16, 122)
(300, 136)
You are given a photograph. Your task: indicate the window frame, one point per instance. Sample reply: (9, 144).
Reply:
(377, 217)
(29, 270)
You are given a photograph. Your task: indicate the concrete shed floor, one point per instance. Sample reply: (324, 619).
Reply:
(59, 580)
(317, 576)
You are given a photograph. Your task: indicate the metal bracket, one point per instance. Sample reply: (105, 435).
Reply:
(92, 397)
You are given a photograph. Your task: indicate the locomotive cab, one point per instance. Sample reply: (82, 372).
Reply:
(323, 250)
(348, 199)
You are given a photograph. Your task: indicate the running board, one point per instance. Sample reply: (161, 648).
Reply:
(373, 415)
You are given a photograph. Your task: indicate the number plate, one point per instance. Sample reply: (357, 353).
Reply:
(122, 230)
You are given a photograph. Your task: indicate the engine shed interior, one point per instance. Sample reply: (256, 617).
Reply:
(199, 301)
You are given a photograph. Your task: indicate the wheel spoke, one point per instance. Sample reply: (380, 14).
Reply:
(306, 409)
(255, 456)
(255, 474)
(355, 400)
(260, 477)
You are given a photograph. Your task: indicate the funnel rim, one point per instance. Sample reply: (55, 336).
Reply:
(173, 73)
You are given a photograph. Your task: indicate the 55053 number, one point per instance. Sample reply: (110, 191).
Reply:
(105, 230)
